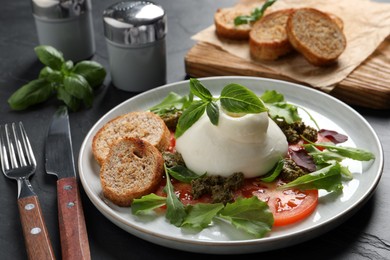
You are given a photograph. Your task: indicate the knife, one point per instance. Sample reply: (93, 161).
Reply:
(59, 162)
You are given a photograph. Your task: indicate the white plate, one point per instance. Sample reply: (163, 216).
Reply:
(332, 210)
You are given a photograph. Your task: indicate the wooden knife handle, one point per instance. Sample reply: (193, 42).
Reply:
(73, 232)
(36, 237)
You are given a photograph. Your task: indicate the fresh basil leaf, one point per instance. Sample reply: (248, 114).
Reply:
(200, 215)
(199, 90)
(255, 15)
(72, 102)
(176, 212)
(327, 178)
(212, 111)
(251, 215)
(272, 96)
(285, 111)
(275, 172)
(190, 116)
(349, 152)
(183, 174)
(92, 71)
(147, 203)
(78, 86)
(34, 92)
(67, 67)
(236, 98)
(50, 56)
(51, 75)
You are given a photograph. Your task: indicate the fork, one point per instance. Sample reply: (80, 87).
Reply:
(18, 163)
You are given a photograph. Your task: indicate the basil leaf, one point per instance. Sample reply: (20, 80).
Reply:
(51, 75)
(92, 71)
(50, 56)
(67, 67)
(72, 102)
(327, 178)
(285, 111)
(213, 112)
(34, 92)
(236, 98)
(251, 215)
(147, 203)
(199, 90)
(176, 212)
(272, 96)
(200, 215)
(190, 116)
(77, 86)
(183, 174)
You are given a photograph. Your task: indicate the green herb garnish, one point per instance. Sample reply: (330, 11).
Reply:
(72, 84)
(256, 14)
(234, 98)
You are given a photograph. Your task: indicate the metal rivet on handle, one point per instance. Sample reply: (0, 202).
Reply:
(68, 187)
(70, 204)
(29, 206)
(35, 230)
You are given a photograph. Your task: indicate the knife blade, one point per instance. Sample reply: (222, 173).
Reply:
(59, 161)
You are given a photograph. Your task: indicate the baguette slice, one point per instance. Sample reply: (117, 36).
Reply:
(133, 168)
(145, 125)
(224, 23)
(268, 38)
(316, 36)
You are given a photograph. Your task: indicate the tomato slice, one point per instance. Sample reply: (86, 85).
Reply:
(288, 206)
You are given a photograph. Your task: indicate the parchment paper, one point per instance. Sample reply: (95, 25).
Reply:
(366, 25)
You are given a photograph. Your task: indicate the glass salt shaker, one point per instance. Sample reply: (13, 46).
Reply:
(135, 35)
(65, 25)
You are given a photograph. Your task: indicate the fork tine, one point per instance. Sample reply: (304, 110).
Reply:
(3, 151)
(11, 148)
(20, 151)
(27, 146)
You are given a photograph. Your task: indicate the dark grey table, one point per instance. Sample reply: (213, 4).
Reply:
(366, 235)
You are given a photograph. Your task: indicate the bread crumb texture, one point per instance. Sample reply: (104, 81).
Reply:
(224, 23)
(144, 125)
(133, 168)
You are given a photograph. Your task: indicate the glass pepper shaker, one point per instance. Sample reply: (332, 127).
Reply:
(66, 25)
(135, 35)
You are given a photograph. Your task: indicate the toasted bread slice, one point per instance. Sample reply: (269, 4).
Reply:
(224, 23)
(133, 168)
(315, 35)
(145, 125)
(268, 38)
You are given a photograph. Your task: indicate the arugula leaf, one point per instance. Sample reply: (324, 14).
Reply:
(50, 56)
(34, 92)
(251, 215)
(182, 173)
(147, 203)
(255, 15)
(201, 215)
(172, 100)
(327, 178)
(349, 152)
(275, 172)
(190, 116)
(176, 212)
(236, 98)
(279, 108)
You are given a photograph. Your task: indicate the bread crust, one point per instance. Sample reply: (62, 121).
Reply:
(144, 125)
(316, 36)
(224, 23)
(132, 169)
(268, 38)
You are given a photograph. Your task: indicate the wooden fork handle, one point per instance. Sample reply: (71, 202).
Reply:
(73, 231)
(34, 229)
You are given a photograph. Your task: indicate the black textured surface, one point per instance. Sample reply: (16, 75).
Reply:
(366, 235)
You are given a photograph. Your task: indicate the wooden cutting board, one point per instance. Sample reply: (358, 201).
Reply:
(367, 86)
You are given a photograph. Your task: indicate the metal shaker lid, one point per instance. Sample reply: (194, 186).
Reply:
(134, 22)
(60, 9)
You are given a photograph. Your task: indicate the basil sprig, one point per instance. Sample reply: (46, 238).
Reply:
(234, 98)
(256, 14)
(72, 84)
